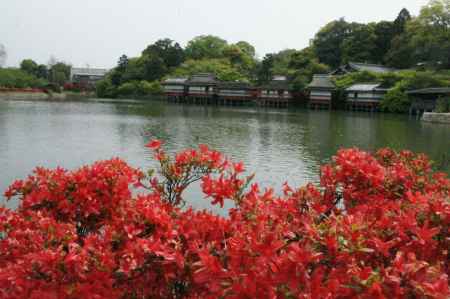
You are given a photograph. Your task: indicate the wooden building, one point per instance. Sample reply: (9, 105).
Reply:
(276, 93)
(175, 89)
(352, 67)
(321, 91)
(86, 76)
(235, 93)
(425, 100)
(365, 97)
(202, 88)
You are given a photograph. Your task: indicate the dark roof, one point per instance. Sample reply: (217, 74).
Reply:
(365, 87)
(202, 79)
(278, 83)
(321, 82)
(175, 81)
(436, 90)
(376, 68)
(234, 85)
(360, 67)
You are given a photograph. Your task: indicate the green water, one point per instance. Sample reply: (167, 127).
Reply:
(277, 145)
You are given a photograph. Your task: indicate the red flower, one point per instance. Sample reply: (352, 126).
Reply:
(154, 144)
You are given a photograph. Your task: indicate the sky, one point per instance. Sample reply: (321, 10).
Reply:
(96, 33)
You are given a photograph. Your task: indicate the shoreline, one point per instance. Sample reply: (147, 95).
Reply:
(42, 96)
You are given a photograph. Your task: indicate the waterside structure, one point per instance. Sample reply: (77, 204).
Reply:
(321, 91)
(364, 97)
(206, 89)
(425, 100)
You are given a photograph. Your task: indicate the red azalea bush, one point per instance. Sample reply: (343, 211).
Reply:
(376, 227)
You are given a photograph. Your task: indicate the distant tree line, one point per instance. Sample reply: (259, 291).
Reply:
(34, 75)
(420, 43)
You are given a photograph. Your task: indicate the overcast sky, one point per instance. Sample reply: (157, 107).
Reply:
(97, 32)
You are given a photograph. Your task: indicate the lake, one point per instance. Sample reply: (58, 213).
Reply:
(278, 145)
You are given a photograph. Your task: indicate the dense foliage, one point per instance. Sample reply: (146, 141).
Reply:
(16, 78)
(408, 42)
(397, 83)
(377, 226)
(404, 43)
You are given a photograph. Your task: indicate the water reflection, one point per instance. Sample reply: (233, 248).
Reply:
(277, 145)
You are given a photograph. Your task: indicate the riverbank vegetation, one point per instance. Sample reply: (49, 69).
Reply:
(375, 227)
(418, 44)
(33, 75)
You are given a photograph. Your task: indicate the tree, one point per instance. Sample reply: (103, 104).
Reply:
(247, 48)
(205, 46)
(240, 59)
(122, 64)
(222, 68)
(152, 67)
(328, 42)
(29, 66)
(400, 55)
(303, 66)
(384, 33)
(42, 71)
(430, 34)
(265, 72)
(59, 73)
(168, 50)
(359, 43)
(3, 55)
(400, 22)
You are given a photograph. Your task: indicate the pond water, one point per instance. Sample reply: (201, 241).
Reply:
(277, 145)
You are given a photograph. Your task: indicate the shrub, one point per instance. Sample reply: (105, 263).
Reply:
(150, 88)
(396, 100)
(16, 78)
(128, 88)
(376, 227)
(105, 89)
(443, 105)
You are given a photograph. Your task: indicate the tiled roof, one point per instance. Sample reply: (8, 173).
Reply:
(375, 68)
(78, 71)
(234, 85)
(202, 79)
(365, 87)
(321, 81)
(360, 67)
(175, 81)
(436, 90)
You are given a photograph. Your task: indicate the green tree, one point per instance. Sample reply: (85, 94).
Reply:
(431, 34)
(118, 72)
(359, 44)
(264, 73)
(400, 55)
(400, 22)
(168, 50)
(59, 73)
(328, 42)
(222, 68)
(205, 46)
(302, 67)
(29, 66)
(240, 59)
(151, 66)
(42, 71)
(105, 89)
(247, 48)
(16, 78)
(384, 34)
